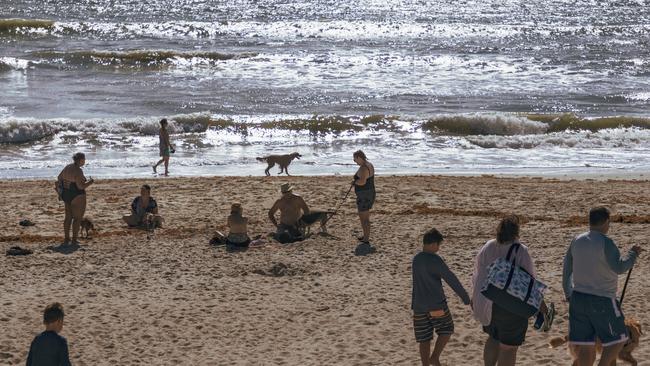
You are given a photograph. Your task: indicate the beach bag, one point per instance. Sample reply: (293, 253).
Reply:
(512, 287)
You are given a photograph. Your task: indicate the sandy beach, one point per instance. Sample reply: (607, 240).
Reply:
(172, 299)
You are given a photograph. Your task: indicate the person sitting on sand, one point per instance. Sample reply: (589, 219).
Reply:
(292, 207)
(238, 225)
(49, 348)
(144, 210)
(71, 187)
(428, 300)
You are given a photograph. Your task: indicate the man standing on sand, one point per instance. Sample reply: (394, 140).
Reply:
(292, 207)
(49, 348)
(590, 280)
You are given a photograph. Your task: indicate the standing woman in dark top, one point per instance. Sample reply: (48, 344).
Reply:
(364, 187)
(165, 146)
(71, 185)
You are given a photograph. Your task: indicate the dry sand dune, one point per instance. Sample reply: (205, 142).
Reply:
(172, 299)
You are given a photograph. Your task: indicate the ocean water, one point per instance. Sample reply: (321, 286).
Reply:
(466, 87)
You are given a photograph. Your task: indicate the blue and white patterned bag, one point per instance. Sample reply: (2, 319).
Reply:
(512, 287)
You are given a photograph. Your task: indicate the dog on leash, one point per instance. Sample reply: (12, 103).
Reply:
(307, 220)
(633, 329)
(87, 225)
(282, 160)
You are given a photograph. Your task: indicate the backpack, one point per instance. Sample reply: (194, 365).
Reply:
(512, 287)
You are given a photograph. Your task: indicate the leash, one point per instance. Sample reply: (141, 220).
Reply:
(339, 206)
(620, 302)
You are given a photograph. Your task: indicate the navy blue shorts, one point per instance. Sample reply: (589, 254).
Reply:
(592, 317)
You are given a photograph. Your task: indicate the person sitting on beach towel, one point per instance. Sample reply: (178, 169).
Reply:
(238, 225)
(144, 210)
(292, 207)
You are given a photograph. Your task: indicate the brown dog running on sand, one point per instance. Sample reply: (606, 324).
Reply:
(87, 225)
(282, 160)
(634, 330)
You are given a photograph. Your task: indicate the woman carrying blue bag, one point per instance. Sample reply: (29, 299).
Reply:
(506, 294)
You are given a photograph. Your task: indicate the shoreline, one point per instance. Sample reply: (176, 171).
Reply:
(568, 176)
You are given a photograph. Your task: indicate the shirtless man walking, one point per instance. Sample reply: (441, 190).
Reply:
(291, 207)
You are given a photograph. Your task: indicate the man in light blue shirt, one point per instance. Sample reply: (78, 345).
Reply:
(590, 279)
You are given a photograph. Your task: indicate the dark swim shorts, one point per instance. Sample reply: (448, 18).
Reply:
(365, 200)
(592, 317)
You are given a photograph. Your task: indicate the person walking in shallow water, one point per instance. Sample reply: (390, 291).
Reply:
(71, 186)
(165, 147)
(364, 187)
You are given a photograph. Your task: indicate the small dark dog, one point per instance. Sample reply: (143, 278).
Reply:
(307, 220)
(87, 225)
(282, 160)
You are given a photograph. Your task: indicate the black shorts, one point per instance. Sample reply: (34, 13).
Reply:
(365, 200)
(286, 234)
(424, 325)
(506, 327)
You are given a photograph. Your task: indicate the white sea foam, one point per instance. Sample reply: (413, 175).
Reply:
(20, 130)
(642, 96)
(356, 29)
(13, 63)
(615, 138)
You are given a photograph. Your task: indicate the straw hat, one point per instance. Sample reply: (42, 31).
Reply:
(286, 187)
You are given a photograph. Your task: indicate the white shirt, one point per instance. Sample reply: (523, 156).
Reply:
(491, 251)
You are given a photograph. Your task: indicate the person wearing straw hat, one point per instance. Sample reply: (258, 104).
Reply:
(590, 280)
(238, 225)
(292, 207)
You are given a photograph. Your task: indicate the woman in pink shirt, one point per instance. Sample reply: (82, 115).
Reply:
(507, 331)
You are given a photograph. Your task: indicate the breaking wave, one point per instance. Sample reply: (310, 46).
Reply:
(137, 58)
(17, 25)
(22, 130)
(12, 63)
(483, 130)
(615, 138)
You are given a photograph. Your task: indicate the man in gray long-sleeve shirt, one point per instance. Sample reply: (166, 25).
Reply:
(590, 279)
(428, 301)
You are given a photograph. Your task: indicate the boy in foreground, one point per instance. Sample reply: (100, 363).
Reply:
(429, 304)
(49, 348)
